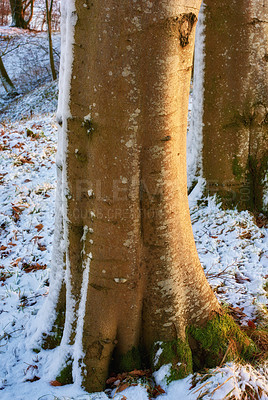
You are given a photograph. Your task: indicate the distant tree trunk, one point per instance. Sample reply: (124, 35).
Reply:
(235, 154)
(126, 279)
(6, 81)
(4, 12)
(51, 56)
(18, 12)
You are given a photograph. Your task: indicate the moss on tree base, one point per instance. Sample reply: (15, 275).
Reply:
(130, 361)
(65, 376)
(54, 338)
(175, 352)
(220, 340)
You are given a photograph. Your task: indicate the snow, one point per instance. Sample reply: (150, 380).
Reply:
(194, 136)
(231, 247)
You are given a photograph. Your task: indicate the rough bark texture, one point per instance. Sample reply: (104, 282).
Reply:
(18, 11)
(125, 212)
(236, 101)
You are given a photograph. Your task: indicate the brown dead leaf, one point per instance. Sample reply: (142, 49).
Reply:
(55, 383)
(12, 244)
(111, 380)
(157, 391)
(39, 227)
(138, 372)
(36, 237)
(41, 247)
(15, 263)
(35, 378)
(18, 146)
(32, 267)
(3, 248)
(245, 235)
(122, 387)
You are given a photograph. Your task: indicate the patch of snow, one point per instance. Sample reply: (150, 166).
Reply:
(194, 136)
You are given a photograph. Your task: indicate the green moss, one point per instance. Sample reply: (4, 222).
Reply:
(36, 350)
(65, 377)
(238, 171)
(54, 338)
(130, 361)
(90, 126)
(80, 157)
(175, 352)
(219, 339)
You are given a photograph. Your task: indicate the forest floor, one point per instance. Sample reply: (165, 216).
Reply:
(232, 247)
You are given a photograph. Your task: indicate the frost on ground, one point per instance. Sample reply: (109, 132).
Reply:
(232, 249)
(26, 59)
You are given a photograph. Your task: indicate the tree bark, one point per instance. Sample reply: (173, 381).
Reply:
(236, 102)
(50, 46)
(18, 10)
(6, 81)
(126, 271)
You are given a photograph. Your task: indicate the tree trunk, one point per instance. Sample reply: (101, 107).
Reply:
(50, 46)
(124, 242)
(18, 10)
(6, 81)
(236, 102)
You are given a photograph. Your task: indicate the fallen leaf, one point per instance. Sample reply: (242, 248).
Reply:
(15, 263)
(32, 267)
(35, 378)
(111, 380)
(41, 247)
(39, 227)
(251, 325)
(55, 383)
(3, 247)
(157, 391)
(138, 372)
(36, 237)
(11, 244)
(122, 387)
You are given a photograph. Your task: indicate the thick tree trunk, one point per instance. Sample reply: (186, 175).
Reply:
(236, 101)
(126, 276)
(18, 9)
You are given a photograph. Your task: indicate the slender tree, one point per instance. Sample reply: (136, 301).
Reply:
(6, 81)
(19, 8)
(49, 7)
(126, 279)
(235, 132)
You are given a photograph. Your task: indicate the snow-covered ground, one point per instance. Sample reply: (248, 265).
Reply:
(232, 249)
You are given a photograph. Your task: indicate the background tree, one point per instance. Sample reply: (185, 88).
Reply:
(49, 8)
(236, 102)
(126, 279)
(4, 12)
(22, 13)
(6, 81)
